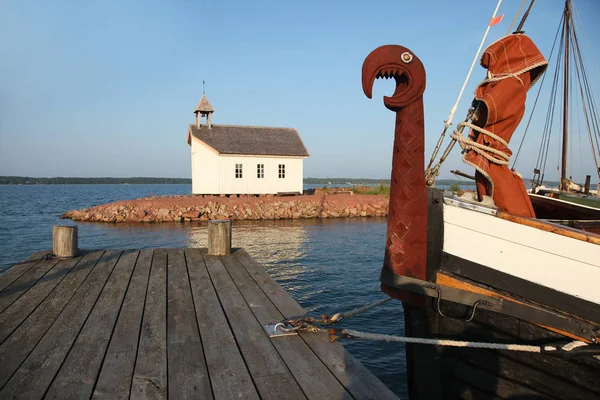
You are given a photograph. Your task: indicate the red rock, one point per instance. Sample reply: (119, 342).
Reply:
(191, 214)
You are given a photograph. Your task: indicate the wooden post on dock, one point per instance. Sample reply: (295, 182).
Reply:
(64, 241)
(219, 237)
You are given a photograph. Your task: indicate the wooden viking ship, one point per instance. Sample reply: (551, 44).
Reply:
(483, 267)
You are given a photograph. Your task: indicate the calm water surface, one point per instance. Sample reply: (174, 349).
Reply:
(328, 266)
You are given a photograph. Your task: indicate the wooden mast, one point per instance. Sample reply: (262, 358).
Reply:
(563, 173)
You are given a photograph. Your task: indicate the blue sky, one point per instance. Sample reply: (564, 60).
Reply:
(108, 88)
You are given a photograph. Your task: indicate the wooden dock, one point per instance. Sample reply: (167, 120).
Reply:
(162, 323)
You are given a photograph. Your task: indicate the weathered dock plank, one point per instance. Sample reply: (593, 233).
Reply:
(47, 357)
(150, 373)
(160, 323)
(21, 342)
(279, 297)
(79, 371)
(13, 273)
(21, 285)
(254, 345)
(188, 377)
(313, 377)
(116, 374)
(347, 369)
(223, 357)
(20, 309)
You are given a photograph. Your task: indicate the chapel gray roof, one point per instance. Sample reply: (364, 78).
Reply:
(251, 140)
(204, 105)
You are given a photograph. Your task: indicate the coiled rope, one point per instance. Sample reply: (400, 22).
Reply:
(496, 156)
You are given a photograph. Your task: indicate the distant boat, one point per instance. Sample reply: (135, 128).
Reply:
(578, 104)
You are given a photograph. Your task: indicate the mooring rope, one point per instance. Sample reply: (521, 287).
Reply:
(556, 348)
(303, 322)
(339, 316)
(352, 334)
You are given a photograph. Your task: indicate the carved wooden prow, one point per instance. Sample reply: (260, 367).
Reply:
(406, 238)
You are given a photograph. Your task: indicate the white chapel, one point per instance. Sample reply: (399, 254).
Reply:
(235, 159)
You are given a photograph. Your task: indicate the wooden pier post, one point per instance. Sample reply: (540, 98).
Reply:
(64, 241)
(219, 237)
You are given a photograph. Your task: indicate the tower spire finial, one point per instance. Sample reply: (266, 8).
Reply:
(203, 87)
(203, 109)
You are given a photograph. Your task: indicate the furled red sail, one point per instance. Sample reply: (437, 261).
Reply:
(514, 64)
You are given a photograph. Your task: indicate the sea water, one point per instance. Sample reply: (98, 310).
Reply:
(327, 265)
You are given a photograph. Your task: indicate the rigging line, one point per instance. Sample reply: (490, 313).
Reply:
(579, 136)
(516, 16)
(551, 109)
(591, 100)
(448, 121)
(542, 154)
(591, 109)
(536, 99)
(570, 94)
(455, 107)
(580, 65)
(559, 147)
(584, 35)
(550, 112)
(525, 16)
(584, 83)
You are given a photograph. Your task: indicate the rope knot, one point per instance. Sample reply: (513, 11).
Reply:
(466, 143)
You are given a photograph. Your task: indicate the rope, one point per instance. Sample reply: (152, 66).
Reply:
(516, 16)
(468, 144)
(349, 333)
(516, 157)
(448, 121)
(455, 107)
(303, 323)
(339, 316)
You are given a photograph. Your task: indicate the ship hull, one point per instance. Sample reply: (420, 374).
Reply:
(556, 273)
(468, 373)
(547, 207)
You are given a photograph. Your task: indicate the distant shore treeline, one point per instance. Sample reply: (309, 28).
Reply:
(27, 180)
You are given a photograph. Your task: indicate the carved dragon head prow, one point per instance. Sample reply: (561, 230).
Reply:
(406, 239)
(399, 63)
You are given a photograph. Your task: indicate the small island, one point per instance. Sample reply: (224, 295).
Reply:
(317, 203)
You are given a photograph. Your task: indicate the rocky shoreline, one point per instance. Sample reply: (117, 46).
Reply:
(198, 208)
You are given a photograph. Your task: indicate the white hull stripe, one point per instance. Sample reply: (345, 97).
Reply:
(558, 262)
